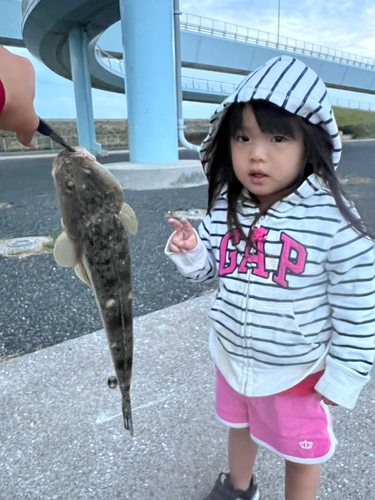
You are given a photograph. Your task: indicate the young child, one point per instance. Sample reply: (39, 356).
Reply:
(293, 318)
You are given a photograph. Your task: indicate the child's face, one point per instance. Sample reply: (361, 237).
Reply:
(265, 163)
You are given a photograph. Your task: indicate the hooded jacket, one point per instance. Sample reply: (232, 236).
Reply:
(305, 300)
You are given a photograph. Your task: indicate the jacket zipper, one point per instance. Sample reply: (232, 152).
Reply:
(250, 288)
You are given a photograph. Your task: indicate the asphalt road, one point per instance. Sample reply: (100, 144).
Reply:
(43, 304)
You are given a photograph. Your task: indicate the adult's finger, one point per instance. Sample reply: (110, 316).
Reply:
(18, 78)
(26, 138)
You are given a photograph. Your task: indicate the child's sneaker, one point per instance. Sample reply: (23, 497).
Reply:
(224, 490)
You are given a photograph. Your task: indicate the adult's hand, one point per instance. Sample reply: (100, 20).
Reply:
(18, 78)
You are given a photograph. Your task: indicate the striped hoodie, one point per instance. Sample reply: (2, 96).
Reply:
(304, 301)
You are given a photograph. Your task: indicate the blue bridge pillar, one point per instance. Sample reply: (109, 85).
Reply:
(79, 60)
(148, 41)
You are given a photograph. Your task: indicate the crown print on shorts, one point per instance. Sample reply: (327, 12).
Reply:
(306, 445)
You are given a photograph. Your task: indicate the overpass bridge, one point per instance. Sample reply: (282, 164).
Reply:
(69, 35)
(206, 44)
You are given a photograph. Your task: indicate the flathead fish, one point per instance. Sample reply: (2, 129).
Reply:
(94, 242)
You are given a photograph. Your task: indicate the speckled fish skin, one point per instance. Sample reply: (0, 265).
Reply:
(90, 200)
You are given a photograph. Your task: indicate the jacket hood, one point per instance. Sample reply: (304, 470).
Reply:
(290, 84)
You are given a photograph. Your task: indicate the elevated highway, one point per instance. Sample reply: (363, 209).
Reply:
(205, 44)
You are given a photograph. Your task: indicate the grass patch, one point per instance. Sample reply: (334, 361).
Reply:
(346, 116)
(355, 122)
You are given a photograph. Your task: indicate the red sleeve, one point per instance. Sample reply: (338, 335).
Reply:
(2, 96)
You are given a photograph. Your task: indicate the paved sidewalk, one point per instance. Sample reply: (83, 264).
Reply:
(62, 435)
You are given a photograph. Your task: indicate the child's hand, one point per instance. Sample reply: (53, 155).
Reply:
(325, 400)
(184, 239)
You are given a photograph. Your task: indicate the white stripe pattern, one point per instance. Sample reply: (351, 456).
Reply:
(290, 84)
(271, 329)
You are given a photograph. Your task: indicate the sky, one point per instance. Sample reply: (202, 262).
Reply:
(347, 25)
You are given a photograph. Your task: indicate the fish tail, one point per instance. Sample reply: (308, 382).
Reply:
(127, 414)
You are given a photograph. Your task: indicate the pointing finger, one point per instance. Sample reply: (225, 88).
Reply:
(176, 225)
(187, 227)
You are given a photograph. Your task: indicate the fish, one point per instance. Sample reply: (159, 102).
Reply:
(94, 242)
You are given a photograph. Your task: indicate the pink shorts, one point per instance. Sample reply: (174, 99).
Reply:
(298, 428)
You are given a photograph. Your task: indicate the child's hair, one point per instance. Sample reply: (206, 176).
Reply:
(272, 119)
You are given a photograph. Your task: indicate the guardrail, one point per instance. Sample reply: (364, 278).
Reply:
(209, 86)
(224, 88)
(352, 103)
(191, 22)
(222, 29)
(108, 61)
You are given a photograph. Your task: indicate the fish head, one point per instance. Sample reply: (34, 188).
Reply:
(84, 188)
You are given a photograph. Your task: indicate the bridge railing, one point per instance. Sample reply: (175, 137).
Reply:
(116, 65)
(221, 88)
(222, 29)
(352, 103)
(200, 85)
(191, 22)
(108, 61)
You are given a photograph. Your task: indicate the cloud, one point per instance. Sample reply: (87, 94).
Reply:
(341, 24)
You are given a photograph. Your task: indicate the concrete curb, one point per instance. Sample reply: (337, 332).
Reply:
(46, 153)
(145, 176)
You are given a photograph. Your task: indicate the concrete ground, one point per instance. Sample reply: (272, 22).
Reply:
(61, 430)
(62, 434)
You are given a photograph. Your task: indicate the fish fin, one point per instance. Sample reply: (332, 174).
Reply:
(127, 415)
(64, 251)
(82, 274)
(128, 218)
